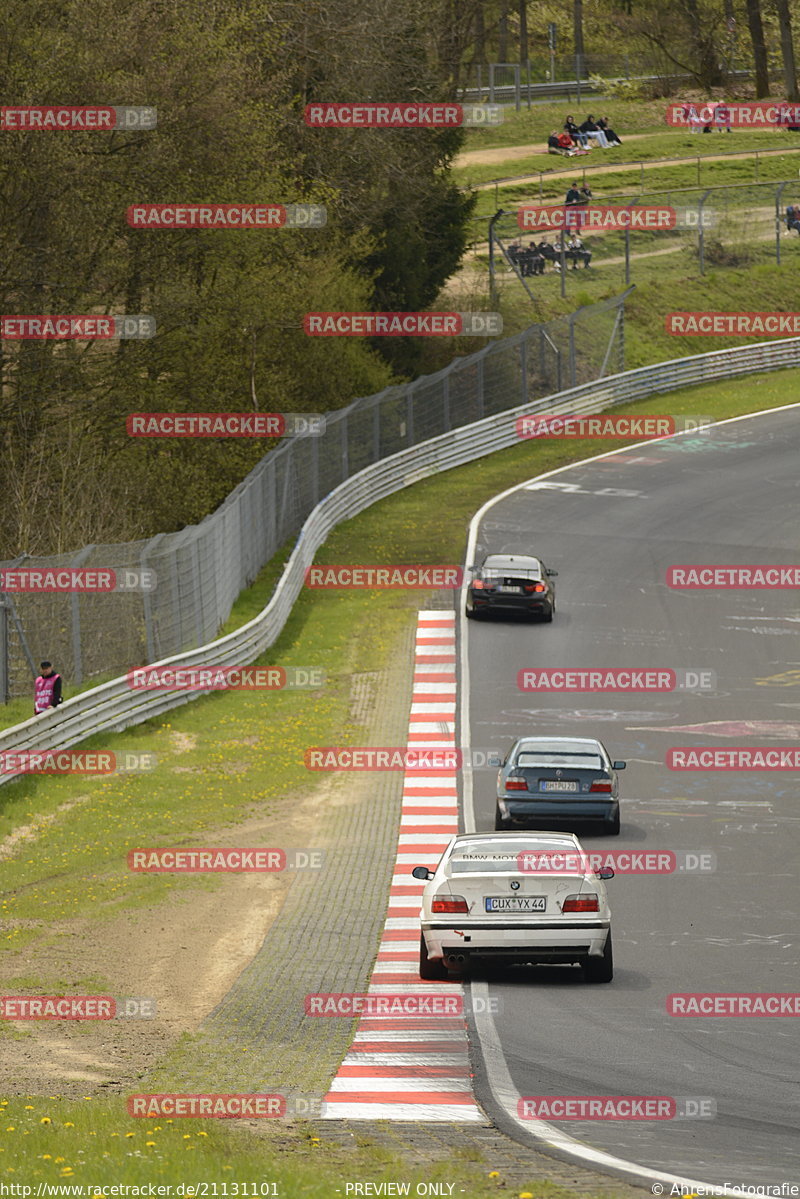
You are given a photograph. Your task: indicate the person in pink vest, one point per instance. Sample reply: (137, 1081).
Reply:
(46, 689)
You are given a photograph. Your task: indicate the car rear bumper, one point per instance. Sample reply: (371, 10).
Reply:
(510, 603)
(583, 808)
(546, 941)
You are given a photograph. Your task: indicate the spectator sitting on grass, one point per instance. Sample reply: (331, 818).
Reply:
(555, 145)
(576, 250)
(792, 218)
(572, 129)
(611, 136)
(594, 132)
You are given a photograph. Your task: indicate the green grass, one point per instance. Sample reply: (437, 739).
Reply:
(91, 1144)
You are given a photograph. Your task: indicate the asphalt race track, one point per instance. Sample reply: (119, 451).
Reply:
(612, 528)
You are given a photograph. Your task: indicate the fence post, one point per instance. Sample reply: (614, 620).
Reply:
(481, 398)
(75, 617)
(345, 447)
(147, 607)
(517, 88)
(491, 83)
(572, 371)
(701, 236)
(778, 195)
(446, 403)
(523, 363)
(409, 415)
(5, 670)
(376, 429)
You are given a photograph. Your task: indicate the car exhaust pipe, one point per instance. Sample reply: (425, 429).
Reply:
(455, 959)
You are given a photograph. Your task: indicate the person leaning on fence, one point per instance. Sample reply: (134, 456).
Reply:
(46, 689)
(574, 195)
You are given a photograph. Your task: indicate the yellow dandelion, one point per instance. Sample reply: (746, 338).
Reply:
(45, 1120)
(148, 1144)
(494, 1173)
(69, 1124)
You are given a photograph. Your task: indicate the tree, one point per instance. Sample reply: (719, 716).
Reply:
(787, 49)
(756, 27)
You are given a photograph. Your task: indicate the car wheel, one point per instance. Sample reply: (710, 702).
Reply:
(612, 824)
(470, 613)
(548, 616)
(431, 971)
(600, 970)
(501, 825)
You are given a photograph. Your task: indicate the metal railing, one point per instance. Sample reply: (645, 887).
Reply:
(200, 570)
(114, 706)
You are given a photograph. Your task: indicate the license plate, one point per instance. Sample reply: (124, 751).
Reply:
(507, 589)
(515, 903)
(556, 785)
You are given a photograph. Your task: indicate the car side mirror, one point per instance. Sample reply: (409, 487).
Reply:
(553, 574)
(422, 872)
(605, 872)
(493, 760)
(619, 765)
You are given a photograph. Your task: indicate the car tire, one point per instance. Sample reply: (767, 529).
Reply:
(470, 613)
(612, 824)
(430, 971)
(501, 825)
(548, 616)
(600, 970)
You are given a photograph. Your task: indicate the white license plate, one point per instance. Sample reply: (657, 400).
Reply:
(510, 590)
(556, 785)
(515, 903)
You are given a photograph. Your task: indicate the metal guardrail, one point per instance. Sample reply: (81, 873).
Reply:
(114, 706)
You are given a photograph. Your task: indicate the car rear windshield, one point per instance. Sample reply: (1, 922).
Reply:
(512, 572)
(491, 860)
(573, 761)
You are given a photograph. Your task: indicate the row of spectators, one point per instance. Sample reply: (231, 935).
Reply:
(532, 259)
(579, 139)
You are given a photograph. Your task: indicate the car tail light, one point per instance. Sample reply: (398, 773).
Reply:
(600, 787)
(450, 903)
(516, 785)
(532, 587)
(477, 584)
(581, 903)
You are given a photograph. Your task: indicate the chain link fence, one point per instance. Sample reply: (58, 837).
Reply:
(737, 225)
(200, 571)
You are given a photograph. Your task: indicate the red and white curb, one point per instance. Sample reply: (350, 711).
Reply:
(414, 1067)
